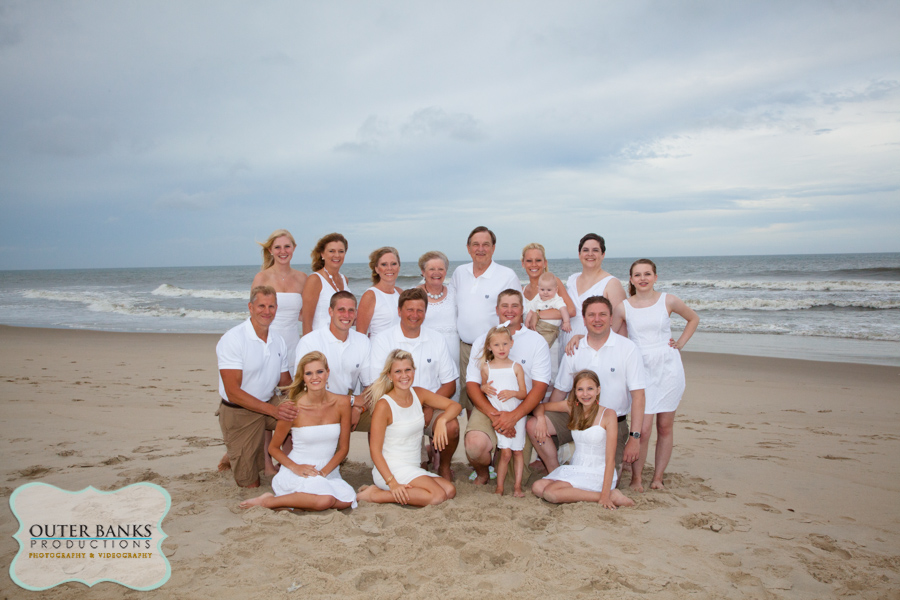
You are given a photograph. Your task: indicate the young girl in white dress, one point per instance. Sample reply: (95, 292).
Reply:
(508, 379)
(310, 477)
(378, 305)
(591, 474)
(646, 316)
(395, 437)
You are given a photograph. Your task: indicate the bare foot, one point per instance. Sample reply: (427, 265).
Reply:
(620, 499)
(446, 472)
(364, 494)
(499, 491)
(258, 501)
(224, 464)
(657, 485)
(537, 466)
(637, 485)
(518, 493)
(481, 479)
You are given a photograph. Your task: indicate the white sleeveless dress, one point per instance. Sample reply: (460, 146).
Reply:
(321, 318)
(287, 321)
(385, 315)
(314, 445)
(402, 447)
(441, 316)
(505, 379)
(588, 465)
(650, 329)
(577, 321)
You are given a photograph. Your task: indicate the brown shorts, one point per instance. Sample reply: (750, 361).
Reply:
(563, 435)
(244, 434)
(465, 350)
(548, 331)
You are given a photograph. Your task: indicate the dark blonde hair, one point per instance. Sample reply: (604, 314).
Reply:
(486, 354)
(578, 418)
(317, 261)
(376, 255)
(641, 261)
(536, 246)
(269, 260)
(431, 255)
(383, 384)
(298, 386)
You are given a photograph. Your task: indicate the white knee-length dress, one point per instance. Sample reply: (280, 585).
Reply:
(650, 329)
(402, 447)
(588, 465)
(314, 445)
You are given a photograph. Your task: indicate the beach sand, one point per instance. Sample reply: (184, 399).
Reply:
(784, 483)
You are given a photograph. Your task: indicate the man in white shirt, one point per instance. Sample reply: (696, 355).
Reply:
(477, 286)
(346, 350)
(620, 369)
(529, 350)
(435, 370)
(252, 361)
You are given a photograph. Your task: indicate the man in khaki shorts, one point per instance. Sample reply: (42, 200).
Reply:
(529, 350)
(252, 361)
(477, 285)
(620, 369)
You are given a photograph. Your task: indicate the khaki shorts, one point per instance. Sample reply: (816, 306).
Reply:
(563, 435)
(548, 331)
(479, 421)
(465, 351)
(244, 433)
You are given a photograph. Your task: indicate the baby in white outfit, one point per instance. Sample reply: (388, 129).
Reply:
(548, 298)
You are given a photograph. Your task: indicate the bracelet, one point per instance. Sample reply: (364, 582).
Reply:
(388, 482)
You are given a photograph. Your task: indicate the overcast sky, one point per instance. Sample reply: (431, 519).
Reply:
(179, 133)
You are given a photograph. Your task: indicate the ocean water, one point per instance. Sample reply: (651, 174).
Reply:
(842, 307)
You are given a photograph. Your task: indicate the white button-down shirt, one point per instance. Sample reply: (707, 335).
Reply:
(476, 297)
(261, 363)
(618, 365)
(529, 350)
(347, 361)
(434, 367)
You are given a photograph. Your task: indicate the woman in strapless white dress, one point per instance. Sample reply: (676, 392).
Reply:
(591, 474)
(310, 476)
(395, 437)
(646, 316)
(276, 272)
(326, 279)
(378, 305)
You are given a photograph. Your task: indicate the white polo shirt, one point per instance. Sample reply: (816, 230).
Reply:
(618, 365)
(347, 361)
(261, 363)
(529, 350)
(476, 297)
(434, 366)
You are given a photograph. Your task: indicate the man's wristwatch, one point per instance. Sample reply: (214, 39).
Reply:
(635, 434)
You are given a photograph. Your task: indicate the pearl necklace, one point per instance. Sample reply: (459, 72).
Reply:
(333, 284)
(435, 296)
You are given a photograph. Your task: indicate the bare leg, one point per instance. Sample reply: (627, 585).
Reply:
(478, 451)
(561, 492)
(665, 438)
(502, 466)
(547, 449)
(422, 491)
(299, 500)
(447, 453)
(637, 468)
(519, 466)
(538, 487)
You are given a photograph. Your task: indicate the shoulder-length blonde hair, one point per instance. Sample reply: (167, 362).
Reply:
(316, 255)
(298, 386)
(536, 246)
(579, 418)
(267, 259)
(486, 354)
(376, 255)
(383, 384)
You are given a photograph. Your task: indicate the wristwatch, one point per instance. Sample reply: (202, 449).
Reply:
(635, 434)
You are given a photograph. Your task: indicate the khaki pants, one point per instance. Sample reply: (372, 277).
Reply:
(465, 350)
(244, 433)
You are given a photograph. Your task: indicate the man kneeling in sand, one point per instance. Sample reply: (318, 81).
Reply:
(252, 361)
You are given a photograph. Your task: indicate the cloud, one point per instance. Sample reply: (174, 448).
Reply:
(181, 200)
(70, 137)
(436, 122)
